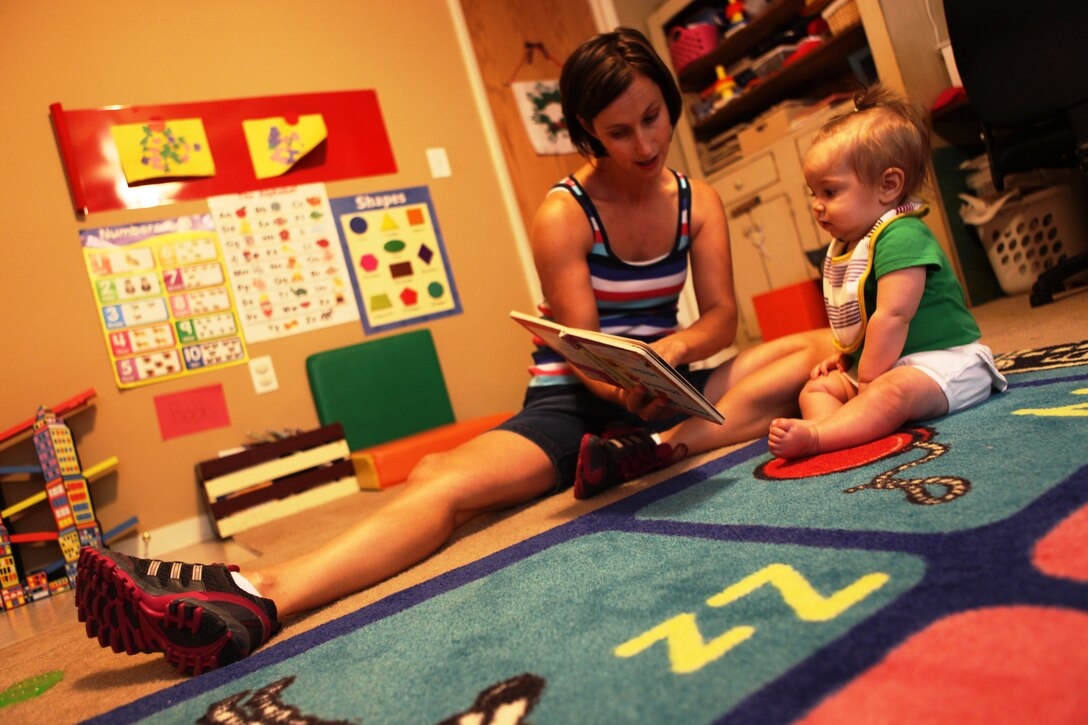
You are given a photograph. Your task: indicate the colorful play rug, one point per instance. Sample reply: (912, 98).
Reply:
(940, 574)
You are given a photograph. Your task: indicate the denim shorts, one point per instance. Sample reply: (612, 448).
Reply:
(555, 417)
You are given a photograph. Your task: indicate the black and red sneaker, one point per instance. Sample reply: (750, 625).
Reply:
(604, 462)
(195, 614)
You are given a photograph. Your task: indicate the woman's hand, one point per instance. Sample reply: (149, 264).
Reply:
(638, 400)
(829, 365)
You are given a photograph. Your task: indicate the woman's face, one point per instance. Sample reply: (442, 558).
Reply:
(635, 129)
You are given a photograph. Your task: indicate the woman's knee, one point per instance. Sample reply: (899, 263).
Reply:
(433, 471)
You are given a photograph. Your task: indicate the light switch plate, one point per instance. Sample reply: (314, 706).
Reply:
(440, 163)
(263, 374)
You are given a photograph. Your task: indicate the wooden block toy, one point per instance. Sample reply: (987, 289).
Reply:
(65, 488)
(388, 464)
(274, 480)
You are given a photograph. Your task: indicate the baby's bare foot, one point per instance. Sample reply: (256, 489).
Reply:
(793, 438)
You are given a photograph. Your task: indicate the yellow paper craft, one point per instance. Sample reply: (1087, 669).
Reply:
(276, 145)
(158, 149)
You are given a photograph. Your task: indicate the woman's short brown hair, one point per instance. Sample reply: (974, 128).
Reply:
(599, 71)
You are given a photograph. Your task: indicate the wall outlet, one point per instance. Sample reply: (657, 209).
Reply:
(263, 374)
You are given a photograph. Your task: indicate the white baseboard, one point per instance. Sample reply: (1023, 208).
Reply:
(157, 542)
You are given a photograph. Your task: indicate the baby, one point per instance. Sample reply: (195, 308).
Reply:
(908, 346)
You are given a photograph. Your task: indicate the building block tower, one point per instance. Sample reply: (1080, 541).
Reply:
(12, 593)
(66, 488)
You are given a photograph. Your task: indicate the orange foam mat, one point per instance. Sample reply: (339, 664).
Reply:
(388, 464)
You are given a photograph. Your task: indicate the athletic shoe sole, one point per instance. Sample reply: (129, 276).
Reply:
(588, 478)
(122, 616)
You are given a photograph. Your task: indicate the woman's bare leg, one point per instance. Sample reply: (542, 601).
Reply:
(758, 385)
(494, 471)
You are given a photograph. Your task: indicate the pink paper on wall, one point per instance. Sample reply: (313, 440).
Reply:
(192, 411)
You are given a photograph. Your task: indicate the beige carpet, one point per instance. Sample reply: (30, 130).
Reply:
(45, 636)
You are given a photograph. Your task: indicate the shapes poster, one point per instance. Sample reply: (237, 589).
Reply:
(163, 149)
(286, 267)
(163, 300)
(398, 261)
(275, 145)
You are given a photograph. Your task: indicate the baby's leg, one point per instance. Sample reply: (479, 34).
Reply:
(820, 399)
(825, 394)
(900, 395)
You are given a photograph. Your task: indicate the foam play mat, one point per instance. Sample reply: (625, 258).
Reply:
(940, 574)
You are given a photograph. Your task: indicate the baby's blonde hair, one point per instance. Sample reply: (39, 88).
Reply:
(885, 131)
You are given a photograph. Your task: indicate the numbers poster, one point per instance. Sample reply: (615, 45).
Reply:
(285, 264)
(163, 299)
(401, 274)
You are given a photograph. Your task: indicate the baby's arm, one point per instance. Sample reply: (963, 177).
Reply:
(897, 296)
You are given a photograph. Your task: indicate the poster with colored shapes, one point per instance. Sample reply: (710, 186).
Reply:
(286, 266)
(163, 300)
(163, 149)
(275, 144)
(399, 266)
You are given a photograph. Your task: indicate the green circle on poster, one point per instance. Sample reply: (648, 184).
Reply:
(436, 289)
(394, 245)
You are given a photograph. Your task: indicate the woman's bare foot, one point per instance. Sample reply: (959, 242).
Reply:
(793, 438)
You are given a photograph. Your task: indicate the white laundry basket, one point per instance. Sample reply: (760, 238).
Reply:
(1030, 235)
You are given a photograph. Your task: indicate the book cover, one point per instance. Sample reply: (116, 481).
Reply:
(622, 362)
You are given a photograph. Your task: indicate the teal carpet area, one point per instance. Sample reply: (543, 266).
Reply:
(938, 575)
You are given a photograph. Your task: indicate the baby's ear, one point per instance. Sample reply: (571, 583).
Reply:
(892, 184)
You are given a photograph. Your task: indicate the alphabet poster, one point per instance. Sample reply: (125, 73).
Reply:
(401, 274)
(286, 266)
(163, 299)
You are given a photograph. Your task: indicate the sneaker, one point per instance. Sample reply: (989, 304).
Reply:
(609, 461)
(195, 614)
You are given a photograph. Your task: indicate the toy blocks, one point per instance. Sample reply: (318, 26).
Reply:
(65, 487)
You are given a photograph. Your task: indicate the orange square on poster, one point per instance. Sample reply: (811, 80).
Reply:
(415, 216)
(192, 411)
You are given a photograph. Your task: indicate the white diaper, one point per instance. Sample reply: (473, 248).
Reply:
(967, 373)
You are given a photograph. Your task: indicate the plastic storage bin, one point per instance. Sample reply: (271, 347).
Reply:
(1029, 236)
(688, 43)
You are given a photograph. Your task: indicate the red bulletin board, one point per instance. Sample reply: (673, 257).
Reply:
(357, 145)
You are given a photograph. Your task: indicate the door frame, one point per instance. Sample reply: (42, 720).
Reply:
(605, 18)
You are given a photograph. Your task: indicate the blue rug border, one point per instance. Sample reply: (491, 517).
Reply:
(785, 700)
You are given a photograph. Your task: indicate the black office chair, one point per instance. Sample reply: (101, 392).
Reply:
(1024, 68)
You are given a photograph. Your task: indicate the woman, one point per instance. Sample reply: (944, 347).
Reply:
(621, 104)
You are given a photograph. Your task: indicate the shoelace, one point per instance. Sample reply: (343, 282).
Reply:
(639, 461)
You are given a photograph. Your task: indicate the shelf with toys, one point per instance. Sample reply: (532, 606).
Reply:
(777, 51)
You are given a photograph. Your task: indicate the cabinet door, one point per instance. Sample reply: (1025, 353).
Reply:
(767, 252)
(777, 229)
(749, 274)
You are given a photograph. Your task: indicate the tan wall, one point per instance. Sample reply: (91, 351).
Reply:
(127, 52)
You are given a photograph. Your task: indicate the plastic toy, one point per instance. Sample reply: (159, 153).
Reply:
(724, 88)
(735, 15)
(66, 489)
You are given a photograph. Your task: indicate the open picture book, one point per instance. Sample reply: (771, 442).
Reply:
(620, 361)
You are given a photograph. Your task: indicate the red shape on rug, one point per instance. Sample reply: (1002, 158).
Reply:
(1062, 552)
(999, 665)
(846, 459)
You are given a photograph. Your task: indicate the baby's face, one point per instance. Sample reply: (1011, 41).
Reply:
(842, 203)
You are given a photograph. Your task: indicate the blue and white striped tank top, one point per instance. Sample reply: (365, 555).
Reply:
(637, 300)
